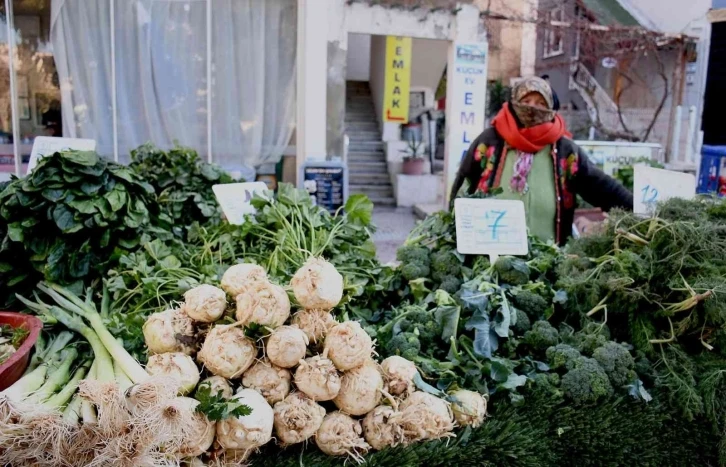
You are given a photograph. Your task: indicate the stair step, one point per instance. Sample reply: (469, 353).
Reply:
(354, 151)
(366, 137)
(362, 126)
(380, 190)
(363, 159)
(370, 179)
(368, 168)
(368, 145)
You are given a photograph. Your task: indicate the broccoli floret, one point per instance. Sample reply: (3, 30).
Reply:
(617, 362)
(511, 270)
(587, 382)
(444, 263)
(422, 324)
(541, 336)
(405, 344)
(413, 271)
(415, 262)
(531, 303)
(450, 284)
(523, 323)
(587, 343)
(547, 384)
(563, 356)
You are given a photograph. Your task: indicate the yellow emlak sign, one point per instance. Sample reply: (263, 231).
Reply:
(398, 79)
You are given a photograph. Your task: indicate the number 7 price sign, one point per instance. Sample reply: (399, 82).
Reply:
(490, 227)
(651, 186)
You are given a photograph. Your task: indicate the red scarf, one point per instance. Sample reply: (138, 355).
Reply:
(529, 140)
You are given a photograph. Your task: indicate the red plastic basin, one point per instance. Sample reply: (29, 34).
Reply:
(15, 366)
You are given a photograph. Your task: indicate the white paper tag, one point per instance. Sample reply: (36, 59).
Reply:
(47, 145)
(490, 227)
(651, 185)
(235, 199)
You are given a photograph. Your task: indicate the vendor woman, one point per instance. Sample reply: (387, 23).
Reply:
(528, 154)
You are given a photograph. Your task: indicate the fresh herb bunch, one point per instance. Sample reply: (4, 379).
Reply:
(67, 221)
(216, 407)
(182, 182)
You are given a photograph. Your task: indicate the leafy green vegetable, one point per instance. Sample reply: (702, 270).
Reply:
(216, 407)
(68, 221)
(183, 184)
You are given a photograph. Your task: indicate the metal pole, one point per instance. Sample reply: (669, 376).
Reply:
(114, 107)
(17, 157)
(676, 136)
(209, 81)
(690, 134)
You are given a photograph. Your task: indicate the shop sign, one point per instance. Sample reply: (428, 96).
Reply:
(327, 184)
(398, 79)
(466, 94)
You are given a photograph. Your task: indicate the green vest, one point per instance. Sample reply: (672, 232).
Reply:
(540, 201)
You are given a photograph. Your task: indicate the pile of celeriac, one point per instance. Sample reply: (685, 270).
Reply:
(304, 376)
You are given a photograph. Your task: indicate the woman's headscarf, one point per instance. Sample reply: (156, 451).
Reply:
(528, 115)
(534, 127)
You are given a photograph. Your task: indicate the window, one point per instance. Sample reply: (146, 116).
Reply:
(553, 37)
(220, 80)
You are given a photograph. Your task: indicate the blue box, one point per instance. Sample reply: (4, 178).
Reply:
(712, 174)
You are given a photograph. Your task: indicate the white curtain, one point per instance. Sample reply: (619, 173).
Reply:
(161, 75)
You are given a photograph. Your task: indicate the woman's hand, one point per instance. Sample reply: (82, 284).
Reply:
(587, 227)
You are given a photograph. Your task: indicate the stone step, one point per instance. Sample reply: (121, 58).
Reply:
(361, 146)
(378, 189)
(371, 125)
(352, 158)
(370, 179)
(367, 168)
(363, 153)
(372, 136)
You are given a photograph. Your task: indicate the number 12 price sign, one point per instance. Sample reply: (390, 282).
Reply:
(490, 227)
(651, 186)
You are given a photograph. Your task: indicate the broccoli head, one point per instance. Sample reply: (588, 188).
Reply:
(413, 271)
(511, 270)
(587, 382)
(422, 323)
(563, 356)
(541, 336)
(450, 284)
(405, 344)
(587, 343)
(531, 303)
(523, 323)
(444, 263)
(547, 384)
(617, 362)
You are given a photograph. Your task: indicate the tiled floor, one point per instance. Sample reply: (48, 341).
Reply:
(394, 225)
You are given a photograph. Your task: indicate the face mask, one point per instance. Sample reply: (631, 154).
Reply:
(530, 116)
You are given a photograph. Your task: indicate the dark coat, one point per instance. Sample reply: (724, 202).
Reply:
(574, 175)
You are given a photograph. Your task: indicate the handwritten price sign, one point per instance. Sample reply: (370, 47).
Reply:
(235, 199)
(490, 227)
(651, 186)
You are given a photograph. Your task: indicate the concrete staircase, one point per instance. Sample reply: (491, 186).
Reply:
(366, 156)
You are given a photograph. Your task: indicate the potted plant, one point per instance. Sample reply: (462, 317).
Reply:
(413, 161)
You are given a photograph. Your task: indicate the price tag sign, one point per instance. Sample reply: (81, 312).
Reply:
(651, 186)
(490, 227)
(236, 199)
(47, 145)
